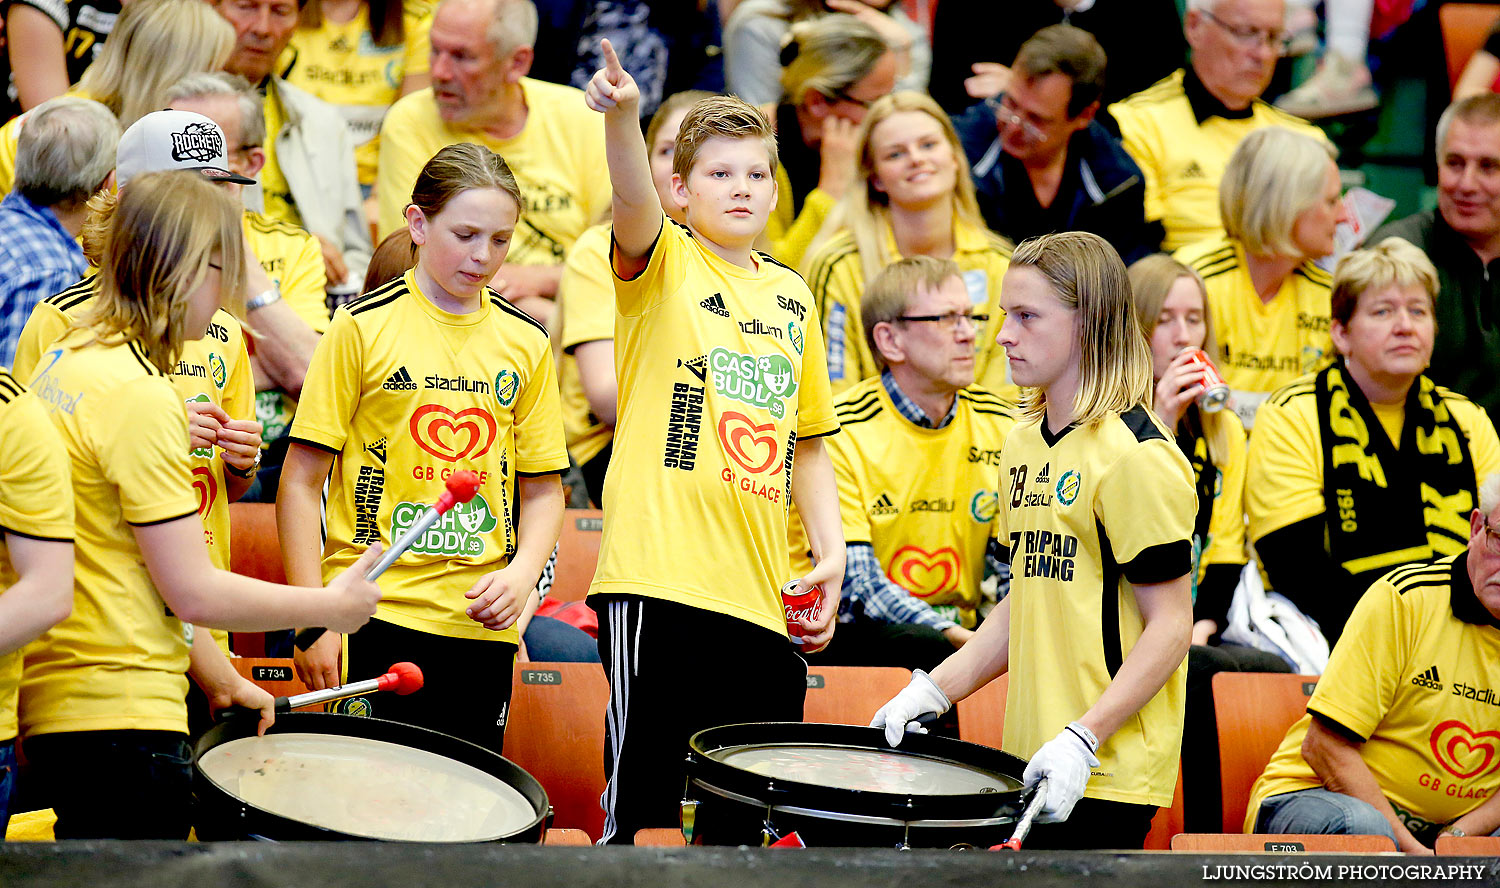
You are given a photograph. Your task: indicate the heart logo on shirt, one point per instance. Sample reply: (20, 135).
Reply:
(924, 573)
(207, 489)
(751, 445)
(1463, 751)
(453, 436)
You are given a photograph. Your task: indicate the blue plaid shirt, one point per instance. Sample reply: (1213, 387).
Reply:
(867, 589)
(38, 258)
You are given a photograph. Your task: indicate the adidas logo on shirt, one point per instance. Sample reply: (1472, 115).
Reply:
(1428, 679)
(884, 506)
(715, 305)
(1193, 171)
(1043, 477)
(400, 381)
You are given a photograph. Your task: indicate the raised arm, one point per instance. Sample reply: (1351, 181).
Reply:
(637, 209)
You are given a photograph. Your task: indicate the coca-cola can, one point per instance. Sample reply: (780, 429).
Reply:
(805, 606)
(1215, 392)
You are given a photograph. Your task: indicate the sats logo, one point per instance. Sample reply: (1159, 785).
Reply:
(1463, 751)
(924, 573)
(750, 445)
(452, 436)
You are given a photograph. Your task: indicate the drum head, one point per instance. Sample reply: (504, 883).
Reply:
(333, 776)
(849, 769)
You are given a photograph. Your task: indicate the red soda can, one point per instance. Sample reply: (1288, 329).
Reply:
(806, 606)
(1215, 392)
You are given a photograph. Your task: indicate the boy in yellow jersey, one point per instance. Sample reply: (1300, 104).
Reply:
(361, 67)
(586, 367)
(722, 390)
(1367, 464)
(1399, 737)
(481, 52)
(918, 541)
(429, 375)
(36, 550)
(1097, 513)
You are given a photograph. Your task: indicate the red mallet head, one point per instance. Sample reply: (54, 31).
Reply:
(462, 486)
(403, 678)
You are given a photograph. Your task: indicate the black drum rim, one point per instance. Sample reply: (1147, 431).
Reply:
(715, 776)
(218, 808)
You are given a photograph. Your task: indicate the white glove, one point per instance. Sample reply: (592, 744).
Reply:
(1065, 761)
(917, 699)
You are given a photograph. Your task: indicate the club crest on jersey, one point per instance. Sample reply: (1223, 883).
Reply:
(507, 385)
(764, 381)
(984, 505)
(794, 335)
(1068, 486)
(216, 369)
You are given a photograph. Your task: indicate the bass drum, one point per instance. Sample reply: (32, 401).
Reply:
(844, 786)
(319, 777)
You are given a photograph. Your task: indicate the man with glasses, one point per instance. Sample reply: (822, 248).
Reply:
(917, 467)
(1398, 739)
(1182, 130)
(1040, 161)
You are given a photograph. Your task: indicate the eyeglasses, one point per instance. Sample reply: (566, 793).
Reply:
(1253, 38)
(1491, 537)
(840, 95)
(1007, 113)
(215, 266)
(948, 322)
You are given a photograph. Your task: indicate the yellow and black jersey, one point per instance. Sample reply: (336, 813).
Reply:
(1416, 676)
(36, 502)
(720, 372)
(837, 280)
(1084, 514)
(215, 369)
(1182, 139)
(119, 661)
(586, 304)
(341, 64)
(1262, 345)
(558, 160)
(84, 25)
(928, 528)
(405, 394)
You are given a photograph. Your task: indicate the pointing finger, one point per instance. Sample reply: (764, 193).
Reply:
(612, 64)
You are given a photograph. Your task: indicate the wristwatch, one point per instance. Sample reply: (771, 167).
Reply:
(244, 473)
(263, 299)
(1453, 831)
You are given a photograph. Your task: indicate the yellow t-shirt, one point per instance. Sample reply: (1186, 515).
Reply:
(405, 394)
(293, 260)
(586, 303)
(720, 371)
(36, 501)
(215, 368)
(1416, 672)
(119, 662)
(1225, 540)
(1182, 159)
(837, 280)
(558, 159)
(928, 528)
(1286, 464)
(1262, 346)
(1094, 509)
(340, 64)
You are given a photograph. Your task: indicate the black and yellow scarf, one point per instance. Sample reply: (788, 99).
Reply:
(1387, 508)
(1208, 482)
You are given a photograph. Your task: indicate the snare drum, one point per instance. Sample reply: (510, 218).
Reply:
(843, 786)
(317, 776)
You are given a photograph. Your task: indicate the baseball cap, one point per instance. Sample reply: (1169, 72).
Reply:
(174, 140)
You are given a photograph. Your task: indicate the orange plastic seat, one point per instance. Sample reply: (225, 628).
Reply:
(555, 732)
(1468, 846)
(1254, 711)
(981, 715)
(1284, 844)
(850, 695)
(577, 554)
(660, 837)
(1464, 27)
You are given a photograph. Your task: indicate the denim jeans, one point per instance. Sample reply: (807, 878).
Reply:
(1321, 812)
(7, 781)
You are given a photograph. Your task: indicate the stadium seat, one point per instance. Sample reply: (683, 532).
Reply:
(1254, 710)
(1168, 822)
(981, 715)
(1283, 844)
(660, 837)
(555, 732)
(557, 836)
(275, 675)
(1468, 846)
(577, 554)
(850, 695)
(254, 551)
(1464, 27)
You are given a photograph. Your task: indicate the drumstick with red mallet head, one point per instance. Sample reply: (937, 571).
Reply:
(403, 678)
(1023, 826)
(461, 487)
